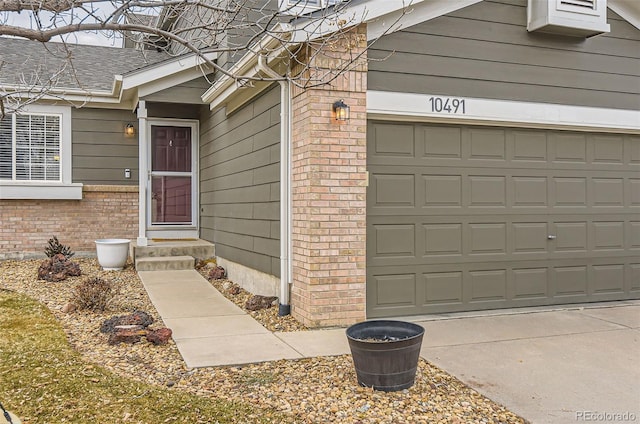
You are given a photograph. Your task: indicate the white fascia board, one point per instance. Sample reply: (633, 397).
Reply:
(169, 81)
(413, 15)
(164, 69)
(312, 27)
(419, 107)
(247, 66)
(629, 10)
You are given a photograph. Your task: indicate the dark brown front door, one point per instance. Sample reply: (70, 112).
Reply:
(171, 175)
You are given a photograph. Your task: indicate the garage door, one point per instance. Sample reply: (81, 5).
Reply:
(464, 218)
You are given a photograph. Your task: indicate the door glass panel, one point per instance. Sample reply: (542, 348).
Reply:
(171, 149)
(170, 200)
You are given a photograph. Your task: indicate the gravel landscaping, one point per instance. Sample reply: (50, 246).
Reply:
(316, 390)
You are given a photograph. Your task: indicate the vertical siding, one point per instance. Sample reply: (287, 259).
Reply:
(485, 51)
(101, 151)
(239, 182)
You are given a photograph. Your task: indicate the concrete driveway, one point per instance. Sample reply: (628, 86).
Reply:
(580, 364)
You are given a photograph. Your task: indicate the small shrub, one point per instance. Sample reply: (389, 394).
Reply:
(54, 247)
(95, 294)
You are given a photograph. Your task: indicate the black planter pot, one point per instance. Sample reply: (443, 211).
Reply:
(385, 353)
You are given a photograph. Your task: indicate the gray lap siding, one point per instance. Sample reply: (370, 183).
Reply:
(240, 182)
(485, 51)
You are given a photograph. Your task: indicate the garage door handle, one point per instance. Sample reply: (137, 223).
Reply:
(551, 237)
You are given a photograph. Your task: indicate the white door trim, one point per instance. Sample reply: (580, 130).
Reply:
(467, 110)
(174, 231)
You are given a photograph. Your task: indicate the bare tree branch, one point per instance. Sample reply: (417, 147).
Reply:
(230, 28)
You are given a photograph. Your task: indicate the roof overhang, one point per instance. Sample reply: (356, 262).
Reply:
(128, 88)
(382, 17)
(629, 10)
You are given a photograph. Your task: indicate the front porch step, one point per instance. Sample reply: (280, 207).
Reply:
(165, 263)
(200, 249)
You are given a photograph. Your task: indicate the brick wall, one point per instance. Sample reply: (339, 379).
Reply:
(329, 191)
(104, 212)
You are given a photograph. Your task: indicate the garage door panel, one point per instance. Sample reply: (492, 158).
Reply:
(440, 142)
(487, 144)
(569, 280)
(570, 236)
(607, 149)
(608, 279)
(530, 191)
(393, 190)
(494, 217)
(633, 277)
(569, 148)
(607, 235)
(607, 192)
(530, 237)
(486, 238)
(529, 146)
(530, 283)
(442, 239)
(392, 140)
(634, 192)
(442, 190)
(395, 240)
(569, 191)
(487, 191)
(486, 285)
(633, 235)
(632, 145)
(442, 288)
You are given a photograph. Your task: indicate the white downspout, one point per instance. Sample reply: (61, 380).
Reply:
(286, 269)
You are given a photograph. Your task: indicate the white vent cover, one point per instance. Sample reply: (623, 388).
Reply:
(578, 18)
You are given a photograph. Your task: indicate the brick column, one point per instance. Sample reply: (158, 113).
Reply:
(329, 190)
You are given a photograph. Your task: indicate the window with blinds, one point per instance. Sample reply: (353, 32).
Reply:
(30, 147)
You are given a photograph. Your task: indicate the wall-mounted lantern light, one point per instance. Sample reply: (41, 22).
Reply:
(341, 111)
(129, 130)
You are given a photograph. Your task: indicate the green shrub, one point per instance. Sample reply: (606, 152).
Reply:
(54, 247)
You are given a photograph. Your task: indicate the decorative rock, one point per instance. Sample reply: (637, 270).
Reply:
(234, 290)
(68, 308)
(160, 336)
(217, 273)
(227, 285)
(58, 268)
(257, 302)
(140, 318)
(126, 336)
(210, 265)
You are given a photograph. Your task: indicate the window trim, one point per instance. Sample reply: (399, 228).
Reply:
(63, 189)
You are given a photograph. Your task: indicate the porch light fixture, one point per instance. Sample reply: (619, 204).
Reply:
(341, 111)
(129, 130)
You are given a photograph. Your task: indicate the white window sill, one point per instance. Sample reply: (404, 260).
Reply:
(40, 190)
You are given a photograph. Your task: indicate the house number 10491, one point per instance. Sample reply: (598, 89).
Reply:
(447, 105)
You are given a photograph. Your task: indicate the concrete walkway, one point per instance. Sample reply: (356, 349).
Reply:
(549, 366)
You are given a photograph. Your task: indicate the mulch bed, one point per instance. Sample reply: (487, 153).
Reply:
(316, 390)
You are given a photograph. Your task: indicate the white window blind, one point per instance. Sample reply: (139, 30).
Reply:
(30, 147)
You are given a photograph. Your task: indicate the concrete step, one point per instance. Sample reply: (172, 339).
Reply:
(164, 263)
(200, 249)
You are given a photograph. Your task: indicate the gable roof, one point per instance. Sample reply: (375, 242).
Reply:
(98, 75)
(26, 62)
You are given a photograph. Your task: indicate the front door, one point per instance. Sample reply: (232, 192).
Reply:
(172, 170)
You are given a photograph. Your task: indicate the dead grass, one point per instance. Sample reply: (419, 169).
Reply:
(45, 381)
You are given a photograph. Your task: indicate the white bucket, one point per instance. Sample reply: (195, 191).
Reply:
(112, 253)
